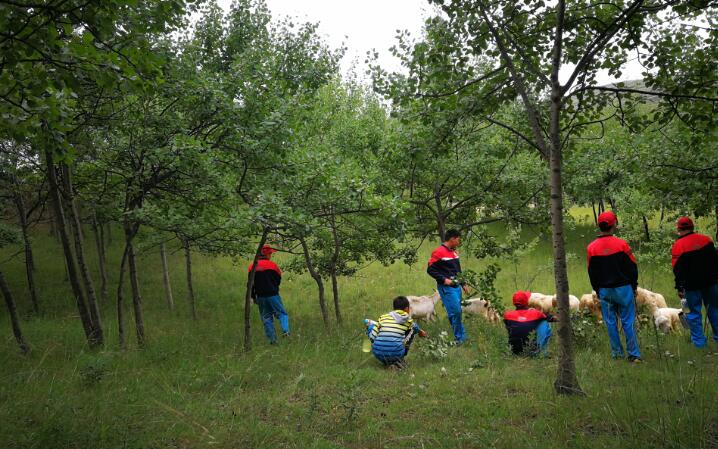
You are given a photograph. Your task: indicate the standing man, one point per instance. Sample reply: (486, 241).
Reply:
(614, 276)
(265, 293)
(695, 267)
(444, 266)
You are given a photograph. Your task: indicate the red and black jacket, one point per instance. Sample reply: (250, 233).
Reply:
(443, 264)
(695, 262)
(267, 278)
(611, 263)
(520, 323)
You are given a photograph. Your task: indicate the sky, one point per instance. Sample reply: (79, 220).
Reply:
(372, 24)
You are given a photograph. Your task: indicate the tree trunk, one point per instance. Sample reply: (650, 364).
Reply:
(440, 218)
(80, 254)
(190, 287)
(12, 310)
(335, 296)
(166, 278)
(67, 250)
(109, 234)
(335, 260)
(566, 380)
(318, 279)
(716, 214)
(248, 293)
(645, 229)
(601, 206)
(101, 256)
(120, 300)
(595, 216)
(134, 282)
(29, 259)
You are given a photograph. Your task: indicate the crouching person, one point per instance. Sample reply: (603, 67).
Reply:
(392, 335)
(523, 322)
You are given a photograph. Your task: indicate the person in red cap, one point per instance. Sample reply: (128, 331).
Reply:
(695, 268)
(614, 276)
(265, 293)
(522, 322)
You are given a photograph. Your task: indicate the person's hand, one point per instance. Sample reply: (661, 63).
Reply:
(448, 282)
(423, 334)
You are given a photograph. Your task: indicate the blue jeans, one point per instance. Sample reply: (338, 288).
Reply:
(270, 307)
(694, 299)
(543, 336)
(451, 299)
(619, 301)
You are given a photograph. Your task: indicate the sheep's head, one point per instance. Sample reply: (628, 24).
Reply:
(663, 324)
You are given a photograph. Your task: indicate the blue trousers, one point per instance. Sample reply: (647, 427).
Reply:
(270, 307)
(618, 303)
(694, 299)
(451, 299)
(543, 336)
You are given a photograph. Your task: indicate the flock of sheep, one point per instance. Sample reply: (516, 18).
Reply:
(667, 319)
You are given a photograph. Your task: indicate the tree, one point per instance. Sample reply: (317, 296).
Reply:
(529, 43)
(9, 236)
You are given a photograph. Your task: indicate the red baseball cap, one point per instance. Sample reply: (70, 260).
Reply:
(608, 217)
(267, 250)
(684, 223)
(521, 298)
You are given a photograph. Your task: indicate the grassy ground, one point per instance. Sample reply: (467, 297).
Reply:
(191, 387)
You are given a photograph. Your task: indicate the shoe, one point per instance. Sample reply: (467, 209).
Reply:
(285, 334)
(634, 359)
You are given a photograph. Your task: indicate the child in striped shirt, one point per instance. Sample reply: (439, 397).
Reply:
(392, 335)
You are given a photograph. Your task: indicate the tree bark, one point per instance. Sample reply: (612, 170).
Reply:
(12, 311)
(318, 279)
(93, 306)
(190, 287)
(566, 380)
(67, 250)
(248, 293)
(120, 300)
(440, 218)
(101, 256)
(645, 229)
(333, 268)
(166, 278)
(716, 214)
(29, 259)
(134, 282)
(595, 216)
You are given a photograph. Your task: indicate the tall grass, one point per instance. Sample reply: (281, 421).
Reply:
(192, 387)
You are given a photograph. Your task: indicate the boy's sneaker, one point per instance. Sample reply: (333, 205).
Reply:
(285, 334)
(634, 359)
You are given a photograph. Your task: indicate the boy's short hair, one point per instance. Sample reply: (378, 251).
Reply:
(401, 303)
(451, 233)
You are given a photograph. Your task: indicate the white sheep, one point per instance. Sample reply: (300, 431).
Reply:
(573, 303)
(481, 307)
(650, 299)
(592, 304)
(423, 307)
(541, 302)
(667, 319)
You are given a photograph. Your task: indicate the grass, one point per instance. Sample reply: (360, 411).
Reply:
(192, 387)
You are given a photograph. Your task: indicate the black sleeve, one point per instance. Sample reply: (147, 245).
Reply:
(436, 274)
(678, 270)
(592, 277)
(632, 271)
(276, 278)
